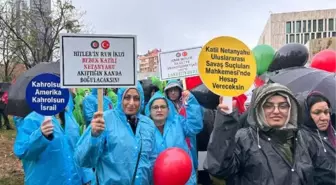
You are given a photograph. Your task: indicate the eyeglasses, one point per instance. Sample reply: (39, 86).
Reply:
(129, 97)
(318, 112)
(270, 107)
(157, 107)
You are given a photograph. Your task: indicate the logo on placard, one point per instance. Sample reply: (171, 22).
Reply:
(105, 44)
(45, 96)
(178, 54)
(95, 44)
(184, 53)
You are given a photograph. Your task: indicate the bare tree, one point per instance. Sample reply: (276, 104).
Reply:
(8, 58)
(37, 26)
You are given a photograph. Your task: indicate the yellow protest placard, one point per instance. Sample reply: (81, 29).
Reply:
(227, 66)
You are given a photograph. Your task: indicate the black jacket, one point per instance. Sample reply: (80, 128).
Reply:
(322, 153)
(253, 156)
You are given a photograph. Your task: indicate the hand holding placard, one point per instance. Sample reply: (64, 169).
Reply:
(97, 124)
(47, 128)
(227, 67)
(45, 97)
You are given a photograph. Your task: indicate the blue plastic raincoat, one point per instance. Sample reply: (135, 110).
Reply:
(18, 122)
(176, 129)
(50, 162)
(196, 107)
(115, 152)
(90, 105)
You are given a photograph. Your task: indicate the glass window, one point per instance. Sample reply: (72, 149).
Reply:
(306, 38)
(318, 35)
(298, 26)
(291, 39)
(301, 41)
(314, 25)
(320, 25)
(288, 27)
(334, 34)
(312, 35)
(287, 39)
(297, 39)
(304, 26)
(331, 24)
(309, 25)
(324, 34)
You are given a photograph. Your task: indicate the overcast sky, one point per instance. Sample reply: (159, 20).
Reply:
(178, 24)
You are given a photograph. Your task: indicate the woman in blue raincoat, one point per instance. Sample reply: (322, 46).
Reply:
(90, 105)
(46, 148)
(174, 91)
(119, 143)
(172, 128)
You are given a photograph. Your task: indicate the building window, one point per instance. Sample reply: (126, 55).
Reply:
(334, 34)
(287, 39)
(298, 26)
(304, 26)
(291, 39)
(318, 35)
(288, 27)
(297, 38)
(301, 41)
(306, 38)
(324, 34)
(331, 24)
(312, 35)
(309, 25)
(320, 25)
(314, 25)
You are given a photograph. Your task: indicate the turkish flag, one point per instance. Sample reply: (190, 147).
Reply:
(193, 82)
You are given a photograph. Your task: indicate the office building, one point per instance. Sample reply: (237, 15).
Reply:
(298, 27)
(149, 62)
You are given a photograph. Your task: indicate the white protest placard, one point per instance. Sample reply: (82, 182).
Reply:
(98, 61)
(179, 63)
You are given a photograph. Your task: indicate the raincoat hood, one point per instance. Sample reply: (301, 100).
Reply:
(81, 92)
(94, 91)
(260, 95)
(156, 96)
(121, 93)
(173, 83)
(302, 98)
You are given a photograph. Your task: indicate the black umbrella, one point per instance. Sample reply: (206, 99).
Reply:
(17, 105)
(4, 87)
(303, 79)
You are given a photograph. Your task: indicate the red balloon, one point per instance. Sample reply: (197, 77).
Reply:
(172, 167)
(325, 60)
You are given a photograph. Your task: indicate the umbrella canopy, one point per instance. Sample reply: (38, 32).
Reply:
(301, 79)
(4, 87)
(17, 105)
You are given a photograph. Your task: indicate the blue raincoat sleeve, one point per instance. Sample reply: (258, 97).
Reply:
(89, 108)
(193, 123)
(89, 149)
(30, 142)
(74, 135)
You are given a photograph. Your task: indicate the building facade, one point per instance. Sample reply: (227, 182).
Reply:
(298, 27)
(316, 45)
(149, 62)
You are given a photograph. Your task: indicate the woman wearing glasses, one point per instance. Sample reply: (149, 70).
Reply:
(172, 128)
(270, 151)
(320, 136)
